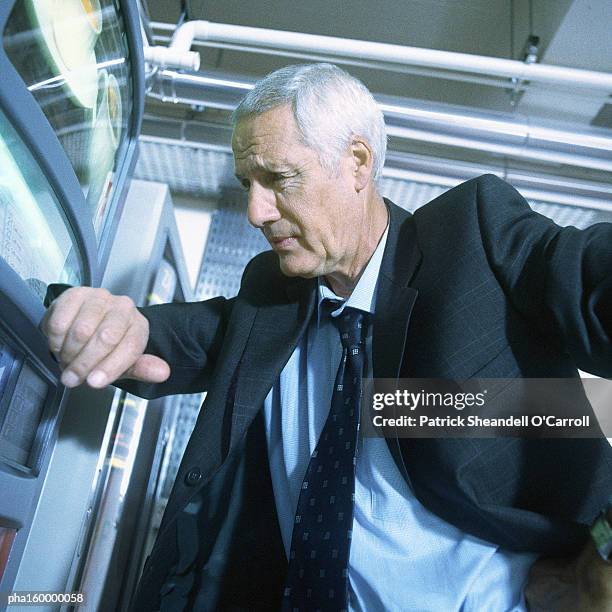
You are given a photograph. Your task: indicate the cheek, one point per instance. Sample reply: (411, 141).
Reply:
(321, 225)
(319, 236)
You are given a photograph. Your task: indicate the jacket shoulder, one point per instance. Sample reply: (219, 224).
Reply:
(483, 200)
(469, 191)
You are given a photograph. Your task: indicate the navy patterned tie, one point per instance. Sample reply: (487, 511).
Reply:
(317, 578)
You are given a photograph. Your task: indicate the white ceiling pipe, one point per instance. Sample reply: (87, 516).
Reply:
(519, 151)
(185, 34)
(173, 86)
(424, 122)
(351, 61)
(519, 126)
(172, 58)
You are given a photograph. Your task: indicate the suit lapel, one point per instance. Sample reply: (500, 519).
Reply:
(394, 303)
(394, 298)
(275, 333)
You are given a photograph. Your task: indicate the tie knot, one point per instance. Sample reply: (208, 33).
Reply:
(351, 325)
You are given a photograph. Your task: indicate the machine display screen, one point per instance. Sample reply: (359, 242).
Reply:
(22, 418)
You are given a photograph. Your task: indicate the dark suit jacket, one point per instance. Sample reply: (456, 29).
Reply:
(473, 284)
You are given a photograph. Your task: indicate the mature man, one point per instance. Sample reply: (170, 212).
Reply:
(278, 502)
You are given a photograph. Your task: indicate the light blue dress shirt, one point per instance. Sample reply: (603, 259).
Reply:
(402, 556)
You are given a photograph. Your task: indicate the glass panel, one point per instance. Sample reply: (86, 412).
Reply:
(73, 56)
(35, 239)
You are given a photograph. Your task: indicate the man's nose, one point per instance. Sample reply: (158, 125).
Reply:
(262, 206)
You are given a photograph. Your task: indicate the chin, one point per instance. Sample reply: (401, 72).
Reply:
(295, 266)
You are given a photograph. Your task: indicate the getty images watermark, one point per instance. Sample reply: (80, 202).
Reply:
(487, 407)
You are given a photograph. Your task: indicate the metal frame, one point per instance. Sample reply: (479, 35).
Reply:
(128, 161)
(18, 311)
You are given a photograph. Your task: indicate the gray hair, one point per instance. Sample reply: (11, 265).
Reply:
(330, 108)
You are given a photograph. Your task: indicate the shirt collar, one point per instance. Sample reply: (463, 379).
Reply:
(363, 296)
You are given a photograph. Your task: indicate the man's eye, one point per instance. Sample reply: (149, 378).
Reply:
(280, 178)
(246, 185)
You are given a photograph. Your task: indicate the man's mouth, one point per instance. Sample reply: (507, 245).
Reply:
(282, 242)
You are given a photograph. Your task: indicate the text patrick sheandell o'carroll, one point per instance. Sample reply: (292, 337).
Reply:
(526, 407)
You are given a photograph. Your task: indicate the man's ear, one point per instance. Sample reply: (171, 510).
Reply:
(363, 162)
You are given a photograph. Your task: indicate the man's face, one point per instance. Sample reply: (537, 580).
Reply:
(307, 216)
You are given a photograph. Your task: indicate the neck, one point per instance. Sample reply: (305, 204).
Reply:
(374, 226)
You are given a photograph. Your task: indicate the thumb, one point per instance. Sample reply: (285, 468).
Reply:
(149, 369)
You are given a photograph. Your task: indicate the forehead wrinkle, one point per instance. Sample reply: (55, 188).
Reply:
(257, 163)
(269, 160)
(265, 145)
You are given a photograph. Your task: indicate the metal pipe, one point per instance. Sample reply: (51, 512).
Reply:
(168, 56)
(363, 49)
(511, 135)
(349, 61)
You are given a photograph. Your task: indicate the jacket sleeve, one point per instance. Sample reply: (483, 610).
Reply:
(558, 278)
(189, 337)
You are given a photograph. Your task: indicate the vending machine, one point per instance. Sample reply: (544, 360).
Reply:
(71, 103)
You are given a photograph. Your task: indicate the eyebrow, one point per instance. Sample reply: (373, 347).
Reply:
(268, 170)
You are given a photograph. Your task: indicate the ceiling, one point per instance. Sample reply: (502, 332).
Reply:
(573, 33)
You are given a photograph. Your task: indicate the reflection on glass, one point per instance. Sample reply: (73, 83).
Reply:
(105, 138)
(67, 37)
(72, 55)
(35, 239)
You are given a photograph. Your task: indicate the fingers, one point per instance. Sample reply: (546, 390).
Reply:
(148, 368)
(100, 337)
(59, 317)
(127, 360)
(87, 325)
(121, 332)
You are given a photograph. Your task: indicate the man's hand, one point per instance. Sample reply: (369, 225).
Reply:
(582, 584)
(99, 337)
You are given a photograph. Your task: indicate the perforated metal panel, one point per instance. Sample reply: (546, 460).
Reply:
(410, 195)
(196, 171)
(231, 243)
